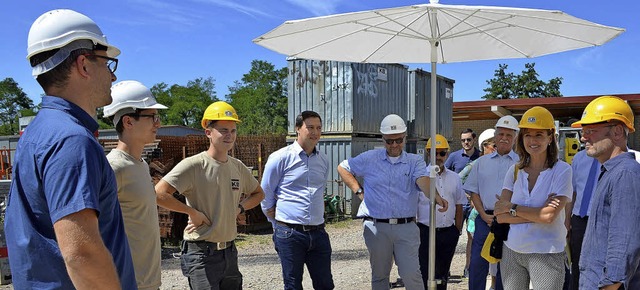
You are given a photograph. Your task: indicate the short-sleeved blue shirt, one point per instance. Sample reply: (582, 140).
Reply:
(60, 169)
(390, 188)
(459, 159)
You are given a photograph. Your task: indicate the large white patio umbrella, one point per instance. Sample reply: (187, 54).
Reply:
(435, 33)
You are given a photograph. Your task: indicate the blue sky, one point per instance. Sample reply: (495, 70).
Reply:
(177, 41)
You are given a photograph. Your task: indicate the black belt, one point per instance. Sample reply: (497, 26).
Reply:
(397, 221)
(204, 245)
(489, 211)
(302, 228)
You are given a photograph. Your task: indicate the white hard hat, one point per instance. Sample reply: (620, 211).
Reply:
(486, 134)
(57, 29)
(129, 96)
(508, 122)
(392, 124)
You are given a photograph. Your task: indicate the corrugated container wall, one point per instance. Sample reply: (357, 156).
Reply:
(351, 98)
(419, 105)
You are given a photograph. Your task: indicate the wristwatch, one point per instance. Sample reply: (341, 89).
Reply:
(359, 191)
(241, 208)
(512, 211)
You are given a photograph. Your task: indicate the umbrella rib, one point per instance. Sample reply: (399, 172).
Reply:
(392, 36)
(479, 29)
(509, 16)
(359, 22)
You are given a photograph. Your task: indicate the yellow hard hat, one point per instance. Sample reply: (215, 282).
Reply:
(219, 111)
(441, 142)
(537, 118)
(604, 109)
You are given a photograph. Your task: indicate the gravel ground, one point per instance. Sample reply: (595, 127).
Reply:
(260, 265)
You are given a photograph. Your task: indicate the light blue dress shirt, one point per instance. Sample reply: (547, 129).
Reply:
(295, 184)
(390, 189)
(581, 165)
(487, 176)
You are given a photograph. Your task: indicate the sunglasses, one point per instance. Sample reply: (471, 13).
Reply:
(466, 140)
(489, 145)
(391, 141)
(441, 153)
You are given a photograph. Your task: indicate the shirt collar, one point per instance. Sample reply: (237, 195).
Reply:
(298, 149)
(446, 172)
(511, 154)
(613, 162)
(475, 152)
(383, 156)
(57, 103)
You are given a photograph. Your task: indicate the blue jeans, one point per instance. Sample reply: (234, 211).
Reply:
(478, 266)
(297, 248)
(208, 268)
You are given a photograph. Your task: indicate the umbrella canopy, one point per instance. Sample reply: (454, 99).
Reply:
(462, 33)
(435, 33)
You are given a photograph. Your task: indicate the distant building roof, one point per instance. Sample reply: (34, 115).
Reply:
(560, 107)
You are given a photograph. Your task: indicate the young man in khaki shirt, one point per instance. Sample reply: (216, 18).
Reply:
(212, 183)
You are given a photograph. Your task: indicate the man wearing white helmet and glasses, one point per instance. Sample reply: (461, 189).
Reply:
(393, 179)
(64, 226)
(135, 115)
(485, 182)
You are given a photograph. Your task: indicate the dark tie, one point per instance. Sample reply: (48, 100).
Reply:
(588, 188)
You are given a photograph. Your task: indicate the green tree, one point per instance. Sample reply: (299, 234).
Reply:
(260, 99)
(13, 104)
(525, 85)
(186, 103)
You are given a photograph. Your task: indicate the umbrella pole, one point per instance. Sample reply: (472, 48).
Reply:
(431, 284)
(434, 169)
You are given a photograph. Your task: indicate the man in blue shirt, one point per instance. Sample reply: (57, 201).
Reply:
(584, 180)
(393, 180)
(459, 159)
(294, 180)
(610, 256)
(484, 183)
(63, 224)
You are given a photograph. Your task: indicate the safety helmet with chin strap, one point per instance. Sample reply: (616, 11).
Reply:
(65, 30)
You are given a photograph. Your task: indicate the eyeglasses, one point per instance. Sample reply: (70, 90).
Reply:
(156, 117)
(466, 140)
(593, 130)
(397, 140)
(112, 63)
(441, 153)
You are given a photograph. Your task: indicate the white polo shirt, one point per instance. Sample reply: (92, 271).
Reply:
(538, 237)
(449, 186)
